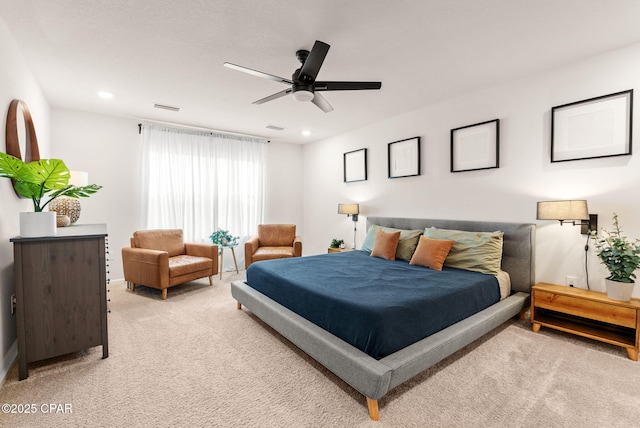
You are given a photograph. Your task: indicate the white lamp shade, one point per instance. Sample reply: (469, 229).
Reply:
(349, 209)
(78, 178)
(563, 210)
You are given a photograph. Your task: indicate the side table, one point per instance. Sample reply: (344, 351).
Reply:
(587, 313)
(338, 250)
(233, 252)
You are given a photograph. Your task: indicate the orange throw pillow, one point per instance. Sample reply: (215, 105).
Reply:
(431, 253)
(386, 244)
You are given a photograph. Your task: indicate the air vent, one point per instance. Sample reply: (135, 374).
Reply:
(166, 107)
(275, 128)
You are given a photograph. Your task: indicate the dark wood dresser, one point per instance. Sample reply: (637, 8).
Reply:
(61, 285)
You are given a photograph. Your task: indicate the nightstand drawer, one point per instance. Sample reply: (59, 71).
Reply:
(600, 311)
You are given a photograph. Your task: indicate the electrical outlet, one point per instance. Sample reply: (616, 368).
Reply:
(571, 280)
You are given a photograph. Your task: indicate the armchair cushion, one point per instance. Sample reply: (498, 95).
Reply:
(169, 240)
(276, 235)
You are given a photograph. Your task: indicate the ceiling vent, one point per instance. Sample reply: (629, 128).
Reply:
(166, 107)
(275, 128)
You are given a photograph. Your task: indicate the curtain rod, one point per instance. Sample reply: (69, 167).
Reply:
(198, 128)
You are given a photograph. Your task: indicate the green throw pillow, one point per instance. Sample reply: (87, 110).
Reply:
(476, 251)
(406, 246)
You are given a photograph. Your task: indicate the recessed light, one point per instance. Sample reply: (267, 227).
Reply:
(105, 94)
(306, 132)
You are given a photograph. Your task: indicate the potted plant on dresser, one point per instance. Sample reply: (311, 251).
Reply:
(621, 256)
(42, 181)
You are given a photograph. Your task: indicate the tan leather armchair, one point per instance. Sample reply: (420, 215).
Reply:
(274, 241)
(161, 259)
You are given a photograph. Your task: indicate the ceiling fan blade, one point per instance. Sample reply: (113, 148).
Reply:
(258, 73)
(273, 97)
(321, 102)
(346, 86)
(314, 61)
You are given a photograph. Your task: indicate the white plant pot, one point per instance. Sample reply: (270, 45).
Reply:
(619, 290)
(37, 224)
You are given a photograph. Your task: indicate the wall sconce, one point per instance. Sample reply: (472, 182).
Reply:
(569, 212)
(351, 210)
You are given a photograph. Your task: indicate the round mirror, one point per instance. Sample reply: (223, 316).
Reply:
(21, 134)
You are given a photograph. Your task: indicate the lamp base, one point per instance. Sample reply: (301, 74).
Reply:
(589, 225)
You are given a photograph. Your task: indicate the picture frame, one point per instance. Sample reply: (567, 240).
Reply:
(403, 158)
(355, 165)
(476, 147)
(593, 128)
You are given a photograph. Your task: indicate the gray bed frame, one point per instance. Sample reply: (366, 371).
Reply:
(374, 378)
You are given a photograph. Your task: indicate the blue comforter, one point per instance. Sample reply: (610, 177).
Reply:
(376, 305)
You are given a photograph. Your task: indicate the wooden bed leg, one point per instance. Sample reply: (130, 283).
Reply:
(239, 305)
(374, 413)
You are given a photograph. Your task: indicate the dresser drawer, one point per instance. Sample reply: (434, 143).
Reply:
(574, 305)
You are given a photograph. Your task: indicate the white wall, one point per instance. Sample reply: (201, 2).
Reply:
(284, 186)
(16, 82)
(509, 193)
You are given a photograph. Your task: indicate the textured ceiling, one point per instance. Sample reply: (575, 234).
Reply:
(171, 52)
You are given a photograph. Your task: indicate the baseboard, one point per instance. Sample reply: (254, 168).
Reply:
(8, 361)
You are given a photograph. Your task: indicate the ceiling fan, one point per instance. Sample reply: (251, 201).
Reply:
(303, 84)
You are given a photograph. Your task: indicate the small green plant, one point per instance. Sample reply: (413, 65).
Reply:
(42, 181)
(222, 237)
(620, 255)
(336, 243)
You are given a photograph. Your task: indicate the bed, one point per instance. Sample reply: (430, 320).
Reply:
(374, 373)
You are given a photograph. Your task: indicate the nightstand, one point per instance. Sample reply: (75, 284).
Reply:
(338, 250)
(587, 313)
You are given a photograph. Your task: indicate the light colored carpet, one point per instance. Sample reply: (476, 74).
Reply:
(195, 360)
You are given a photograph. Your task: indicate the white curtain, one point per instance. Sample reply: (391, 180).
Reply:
(200, 181)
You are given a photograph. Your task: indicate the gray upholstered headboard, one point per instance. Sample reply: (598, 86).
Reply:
(518, 247)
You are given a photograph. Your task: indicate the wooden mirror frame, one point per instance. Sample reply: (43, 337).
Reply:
(32, 151)
(13, 143)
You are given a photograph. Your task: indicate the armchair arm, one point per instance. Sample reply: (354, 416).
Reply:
(203, 250)
(250, 247)
(146, 267)
(297, 246)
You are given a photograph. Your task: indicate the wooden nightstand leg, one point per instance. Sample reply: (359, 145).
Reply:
(535, 327)
(234, 259)
(632, 353)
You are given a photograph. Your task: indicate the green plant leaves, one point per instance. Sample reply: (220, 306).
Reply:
(620, 255)
(36, 179)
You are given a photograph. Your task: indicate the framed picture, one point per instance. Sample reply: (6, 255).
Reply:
(594, 128)
(355, 166)
(404, 158)
(475, 147)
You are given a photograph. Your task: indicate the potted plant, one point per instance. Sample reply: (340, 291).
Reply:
(42, 181)
(336, 243)
(621, 256)
(223, 238)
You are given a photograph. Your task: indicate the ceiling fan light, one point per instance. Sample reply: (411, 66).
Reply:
(303, 95)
